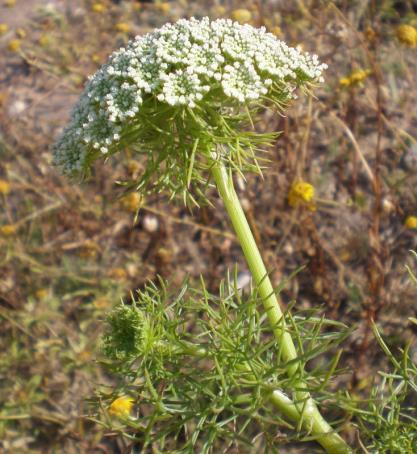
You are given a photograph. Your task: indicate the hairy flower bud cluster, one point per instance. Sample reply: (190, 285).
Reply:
(192, 63)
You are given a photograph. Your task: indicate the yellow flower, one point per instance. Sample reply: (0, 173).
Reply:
(359, 76)
(10, 3)
(98, 8)
(89, 250)
(133, 167)
(163, 7)
(344, 81)
(355, 78)
(370, 34)
(219, 10)
(277, 31)
(8, 230)
(84, 356)
(132, 202)
(14, 45)
(3, 29)
(407, 34)
(302, 193)
(44, 40)
(119, 274)
(101, 303)
(21, 33)
(122, 27)
(4, 187)
(411, 222)
(41, 294)
(96, 58)
(121, 407)
(241, 15)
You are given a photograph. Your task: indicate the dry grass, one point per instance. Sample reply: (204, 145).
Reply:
(73, 252)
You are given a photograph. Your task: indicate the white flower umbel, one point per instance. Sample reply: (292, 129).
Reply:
(187, 79)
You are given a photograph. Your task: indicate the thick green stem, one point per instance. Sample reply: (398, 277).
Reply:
(231, 201)
(312, 421)
(306, 408)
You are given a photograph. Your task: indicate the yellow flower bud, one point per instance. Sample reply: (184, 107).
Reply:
(370, 34)
(133, 167)
(132, 202)
(96, 58)
(8, 230)
(3, 29)
(84, 356)
(119, 274)
(359, 76)
(241, 15)
(121, 407)
(14, 45)
(122, 27)
(163, 7)
(89, 250)
(407, 34)
(344, 81)
(411, 222)
(301, 193)
(98, 8)
(4, 187)
(44, 40)
(355, 78)
(41, 294)
(21, 33)
(101, 303)
(219, 10)
(276, 31)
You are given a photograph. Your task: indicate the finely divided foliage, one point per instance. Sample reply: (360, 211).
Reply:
(209, 377)
(191, 76)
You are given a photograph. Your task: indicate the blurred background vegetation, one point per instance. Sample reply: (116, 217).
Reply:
(68, 254)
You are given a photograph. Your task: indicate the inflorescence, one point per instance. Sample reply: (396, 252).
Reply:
(190, 65)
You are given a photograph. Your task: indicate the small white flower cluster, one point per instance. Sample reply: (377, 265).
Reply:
(241, 81)
(182, 88)
(181, 64)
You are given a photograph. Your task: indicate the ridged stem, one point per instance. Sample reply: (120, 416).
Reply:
(305, 407)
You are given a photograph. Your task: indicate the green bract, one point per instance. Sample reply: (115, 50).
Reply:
(180, 93)
(128, 325)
